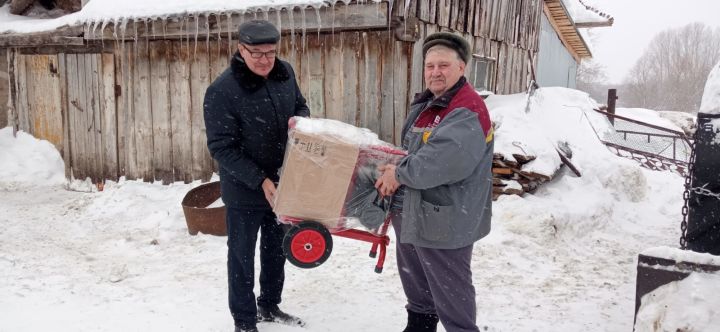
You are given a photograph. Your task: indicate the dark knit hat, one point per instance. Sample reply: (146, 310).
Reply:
(258, 32)
(450, 40)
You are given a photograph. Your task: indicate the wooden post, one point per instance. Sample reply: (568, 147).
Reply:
(612, 97)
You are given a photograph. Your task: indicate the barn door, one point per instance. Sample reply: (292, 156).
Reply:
(38, 91)
(90, 115)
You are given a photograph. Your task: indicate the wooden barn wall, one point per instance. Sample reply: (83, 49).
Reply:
(136, 110)
(505, 30)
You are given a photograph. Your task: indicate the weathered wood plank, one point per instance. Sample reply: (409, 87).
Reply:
(121, 101)
(43, 98)
(73, 115)
(219, 62)
(160, 106)
(129, 90)
(199, 81)
(334, 85)
(387, 88)
(494, 18)
(315, 76)
(443, 13)
(108, 108)
(416, 68)
(94, 118)
(81, 115)
(470, 17)
(64, 110)
(351, 49)
(433, 11)
(401, 94)
(369, 80)
(181, 112)
(424, 10)
(143, 123)
(23, 109)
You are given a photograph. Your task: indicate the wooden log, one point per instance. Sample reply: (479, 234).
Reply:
(523, 159)
(503, 171)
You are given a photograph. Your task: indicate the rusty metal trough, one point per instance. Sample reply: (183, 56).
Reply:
(201, 218)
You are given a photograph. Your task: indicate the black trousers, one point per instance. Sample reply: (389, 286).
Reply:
(242, 229)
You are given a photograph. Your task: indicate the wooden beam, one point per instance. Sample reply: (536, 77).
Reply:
(593, 24)
(62, 36)
(354, 16)
(563, 36)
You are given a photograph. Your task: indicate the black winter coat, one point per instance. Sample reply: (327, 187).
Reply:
(246, 117)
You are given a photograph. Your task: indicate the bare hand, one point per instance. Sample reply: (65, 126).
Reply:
(387, 184)
(268, 188)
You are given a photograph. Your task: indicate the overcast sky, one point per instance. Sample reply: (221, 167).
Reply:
(637, 22)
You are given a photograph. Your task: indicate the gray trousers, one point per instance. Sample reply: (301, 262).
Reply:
(437, 281)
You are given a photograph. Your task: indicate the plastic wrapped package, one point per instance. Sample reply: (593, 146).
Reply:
(329, 175)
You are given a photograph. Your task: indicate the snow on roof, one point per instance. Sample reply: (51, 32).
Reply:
(711, 97)
(118, 10)
(582, 13)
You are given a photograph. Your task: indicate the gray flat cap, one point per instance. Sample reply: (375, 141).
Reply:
(258, 32)
(450, 40)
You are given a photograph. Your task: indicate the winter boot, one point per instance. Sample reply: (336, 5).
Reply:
(245, 328)
(275, 315)
(421, 322)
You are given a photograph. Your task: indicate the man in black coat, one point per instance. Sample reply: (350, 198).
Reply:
(247, 109)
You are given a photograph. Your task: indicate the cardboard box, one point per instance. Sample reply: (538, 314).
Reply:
(315, 178)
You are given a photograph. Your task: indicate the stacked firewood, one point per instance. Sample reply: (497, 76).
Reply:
(510, 179)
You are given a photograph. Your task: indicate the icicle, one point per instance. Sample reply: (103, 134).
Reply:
(207, 29)
(319, 20)
(279, 23)
(147, 34)
(164, 26)
(197, 31)
(219, 36)
(187, 34)
(229, 31)
(332, 23)
(291, 17)
(266, 14)
(304, 30)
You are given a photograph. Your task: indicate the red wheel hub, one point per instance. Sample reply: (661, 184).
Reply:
(308, 246)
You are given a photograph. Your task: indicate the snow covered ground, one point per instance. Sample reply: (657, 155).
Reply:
(563, 259)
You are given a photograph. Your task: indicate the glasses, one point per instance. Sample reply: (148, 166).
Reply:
(258, 55)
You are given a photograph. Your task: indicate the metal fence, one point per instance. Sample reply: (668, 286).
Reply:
(652, 146)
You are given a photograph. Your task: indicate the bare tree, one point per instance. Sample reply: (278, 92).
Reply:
(671, 74)
(592, 78)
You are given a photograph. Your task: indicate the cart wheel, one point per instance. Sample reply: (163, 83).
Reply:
(307, 245)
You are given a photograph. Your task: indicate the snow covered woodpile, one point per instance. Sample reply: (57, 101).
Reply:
(510, 179)
(528, 152)
(43, 8)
